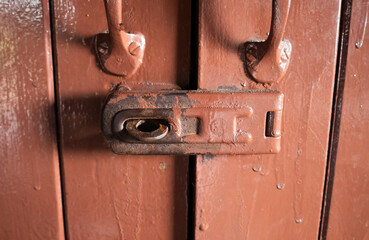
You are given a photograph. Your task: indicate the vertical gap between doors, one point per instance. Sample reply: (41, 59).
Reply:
(57, 114)
(336, 114)
(191, 224)
(194, 45)
(194, 58)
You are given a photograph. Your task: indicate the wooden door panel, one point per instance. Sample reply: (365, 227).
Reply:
(111, 196)
(30, 197)
(349, 209)
(238, 197)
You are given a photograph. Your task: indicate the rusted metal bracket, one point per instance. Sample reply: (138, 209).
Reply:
(118, 52)
(193, 122)
(267, 62)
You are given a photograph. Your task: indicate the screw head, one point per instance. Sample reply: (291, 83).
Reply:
(134, 48)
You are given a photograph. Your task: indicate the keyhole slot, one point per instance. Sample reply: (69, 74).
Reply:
(147, 130)
(148, 125)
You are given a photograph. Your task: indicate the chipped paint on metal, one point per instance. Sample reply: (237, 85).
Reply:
(211, 122)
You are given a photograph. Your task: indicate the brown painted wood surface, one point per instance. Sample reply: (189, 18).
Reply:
(237, 197)
(349, 210)
(111, 196)
(30, 197)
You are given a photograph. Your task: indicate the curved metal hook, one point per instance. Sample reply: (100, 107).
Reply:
(118, 52)
(267, 62)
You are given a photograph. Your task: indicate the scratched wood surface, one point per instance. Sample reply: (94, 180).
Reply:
(110, 196)
(30, 196)
(349, 211)
(269, 196)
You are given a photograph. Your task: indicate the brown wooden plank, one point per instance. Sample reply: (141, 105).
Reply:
(238, 197)
(349, 209)
(30, 198)
(112, 196)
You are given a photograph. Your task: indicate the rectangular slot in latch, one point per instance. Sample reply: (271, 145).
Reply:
(273, 124)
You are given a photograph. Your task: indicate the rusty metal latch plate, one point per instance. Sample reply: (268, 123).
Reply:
(193, 122)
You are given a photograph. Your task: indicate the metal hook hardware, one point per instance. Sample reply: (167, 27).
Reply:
(267, 62)
(118, 52)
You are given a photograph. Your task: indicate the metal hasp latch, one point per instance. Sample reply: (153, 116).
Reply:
(193, 122)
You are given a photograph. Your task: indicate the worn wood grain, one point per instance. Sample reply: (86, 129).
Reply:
(30, 196)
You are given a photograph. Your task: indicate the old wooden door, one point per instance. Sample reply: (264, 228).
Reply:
(147, 197)
(189, 44)
(108, 196)
(346, 206)
(269, 196)
(30, 198)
